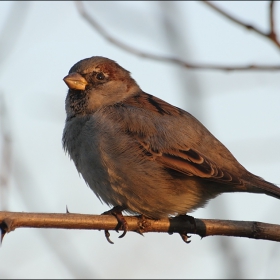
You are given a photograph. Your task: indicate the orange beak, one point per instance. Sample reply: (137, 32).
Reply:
(75, 81)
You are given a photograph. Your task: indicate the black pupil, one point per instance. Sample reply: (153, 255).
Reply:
(100, 76)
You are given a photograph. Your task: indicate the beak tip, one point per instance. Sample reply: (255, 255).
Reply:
(75, 81)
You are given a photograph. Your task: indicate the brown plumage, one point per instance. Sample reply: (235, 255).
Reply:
(139, 152)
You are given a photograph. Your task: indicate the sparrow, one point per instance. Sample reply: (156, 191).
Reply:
(141, 154)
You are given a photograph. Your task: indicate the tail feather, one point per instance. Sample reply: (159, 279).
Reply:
(258, 185)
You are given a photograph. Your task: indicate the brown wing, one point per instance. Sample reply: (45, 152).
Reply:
(191, 163)
(188, 161)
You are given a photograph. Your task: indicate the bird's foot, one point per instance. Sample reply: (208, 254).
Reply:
(143, 223)
(183, 234)
(122, 224)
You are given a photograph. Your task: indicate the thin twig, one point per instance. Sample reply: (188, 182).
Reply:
(118, 43)
(271, 21)
(5, 161)
(204, 227)
(270, 35)
(271, 16)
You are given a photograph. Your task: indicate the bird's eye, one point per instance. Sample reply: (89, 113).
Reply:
(100, 76)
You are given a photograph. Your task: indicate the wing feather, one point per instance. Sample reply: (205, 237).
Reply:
(174, 153)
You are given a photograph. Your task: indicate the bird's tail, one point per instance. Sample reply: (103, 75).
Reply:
(256, 184)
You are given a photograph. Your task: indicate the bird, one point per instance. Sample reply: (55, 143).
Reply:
(140, 154)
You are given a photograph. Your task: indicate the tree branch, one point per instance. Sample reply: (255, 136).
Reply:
(9, 221)
(185, 64)
(270, 35)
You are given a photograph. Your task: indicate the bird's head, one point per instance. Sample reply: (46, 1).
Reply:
(97, 82)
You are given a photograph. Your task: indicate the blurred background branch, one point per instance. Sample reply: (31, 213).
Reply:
(9, 36)
(202, 66)
(271, 35)
(5, 160)
(12, 29)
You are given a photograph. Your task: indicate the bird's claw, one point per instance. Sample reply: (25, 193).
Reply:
(142, 224)
(2, 233)
(185, 237)
(4, 228)
(122, 224)
(191, 220)
(107, 235)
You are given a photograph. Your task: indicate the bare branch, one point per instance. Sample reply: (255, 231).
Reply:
(156, 57)
(271, 16)
(5, 161)
(204, 227)
(270, 35)
(271, 21)
(10, 32)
